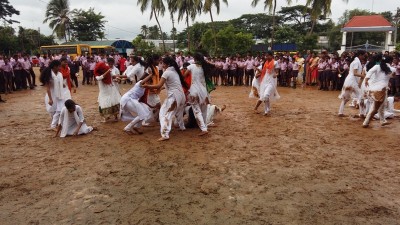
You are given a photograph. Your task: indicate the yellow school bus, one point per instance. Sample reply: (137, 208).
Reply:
(102, 49)
(71, 50)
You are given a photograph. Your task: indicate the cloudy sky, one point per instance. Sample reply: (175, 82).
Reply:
(125, 19)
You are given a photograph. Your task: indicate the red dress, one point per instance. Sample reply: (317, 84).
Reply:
(65, 71)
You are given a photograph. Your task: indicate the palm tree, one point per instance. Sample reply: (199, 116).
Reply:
(144, 30)
(207, 8)
(172, 10)
(187, 8)
(157, 8)
(57, 13)
(319, 8)
(271, 5)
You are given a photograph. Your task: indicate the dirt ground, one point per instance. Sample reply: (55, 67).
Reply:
(302, 165)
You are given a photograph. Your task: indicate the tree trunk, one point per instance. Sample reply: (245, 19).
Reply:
(273, 25)
(173, 30)
(214, 33)
(312, 26)
(159, 26)
(188, 31)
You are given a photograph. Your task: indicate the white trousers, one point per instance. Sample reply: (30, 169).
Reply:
(168, 110)
(136, 122)
(200, 113)
(55, 117)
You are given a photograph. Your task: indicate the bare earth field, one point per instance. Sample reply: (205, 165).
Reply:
(302, 165)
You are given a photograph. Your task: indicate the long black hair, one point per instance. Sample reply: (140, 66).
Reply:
(45, 75)
(358, 53)
(384, 67)
(171, 62)
(150, 62)
(375, 59)
(139, 60)
(199, 58)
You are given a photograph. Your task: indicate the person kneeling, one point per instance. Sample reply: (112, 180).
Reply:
(71, 121)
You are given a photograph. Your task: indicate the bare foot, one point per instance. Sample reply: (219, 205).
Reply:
(223, 108)
(203, 133)
(341, 115)
(95, 128)
(385, 123)
(51, 129)
(267, 114)
(255, 111)
(365, 125)
(128, 132)
(163, 139)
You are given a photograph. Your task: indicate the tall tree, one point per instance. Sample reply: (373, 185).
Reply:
(318, 8)
(187, 9)
(271, 5)
(87, 25)
(58, 14)
(157, 8)
(144, 30)
(172, 9)
(7, 10)
(208, 4)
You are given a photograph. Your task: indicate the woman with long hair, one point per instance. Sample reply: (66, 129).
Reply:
(174, 104)
(198, 96)
(56, 91)
(350, 86)
(268, 83)
(377, 84)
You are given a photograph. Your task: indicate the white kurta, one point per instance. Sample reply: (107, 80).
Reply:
(59, 93)
(378, 79)
(69, 122)
(174, 104)
(350, 85)
(268, 89)
(109, 96)
(198, 91)
(136, 108)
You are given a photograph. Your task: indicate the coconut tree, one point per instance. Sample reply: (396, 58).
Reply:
(208, 4)
(319, 8)
(271, 5)
(187, 9)
(144, 30)
(172, 9)
(58, 16)
(157, 8)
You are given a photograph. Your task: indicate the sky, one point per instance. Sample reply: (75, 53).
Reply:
(124, 17)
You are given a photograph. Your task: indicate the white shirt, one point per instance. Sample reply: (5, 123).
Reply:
(378, 79)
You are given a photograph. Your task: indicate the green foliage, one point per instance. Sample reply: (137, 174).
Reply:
(143, 47)
(229, 41)
(398, 47)
(7, 10)
(260, 25)
(286, 34)
(87, 25)
(307, 42)
(58, 16)
(26, 40)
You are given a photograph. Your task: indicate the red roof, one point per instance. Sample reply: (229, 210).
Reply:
(368, 21)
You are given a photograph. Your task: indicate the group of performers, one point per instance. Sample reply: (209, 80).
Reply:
(186, 92)
(189, 82)
(368, 84)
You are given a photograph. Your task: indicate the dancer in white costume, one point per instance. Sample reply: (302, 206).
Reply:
(109, 96)
(174, 104)
(198, 96)
(351, 85)
(132, 109)
(377, 83)
(135, 71)
(72, 121)
(267, 91)
(56, 91)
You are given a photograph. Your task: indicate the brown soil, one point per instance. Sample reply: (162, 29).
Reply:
(301, 165)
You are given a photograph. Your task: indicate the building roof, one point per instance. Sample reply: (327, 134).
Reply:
(372, 23)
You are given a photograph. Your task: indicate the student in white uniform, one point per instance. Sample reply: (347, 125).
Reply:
(377, 84)
(132, 109)
(198, 96)
(351, 86)
(56, 91)
(72, 122)
(174, 104)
